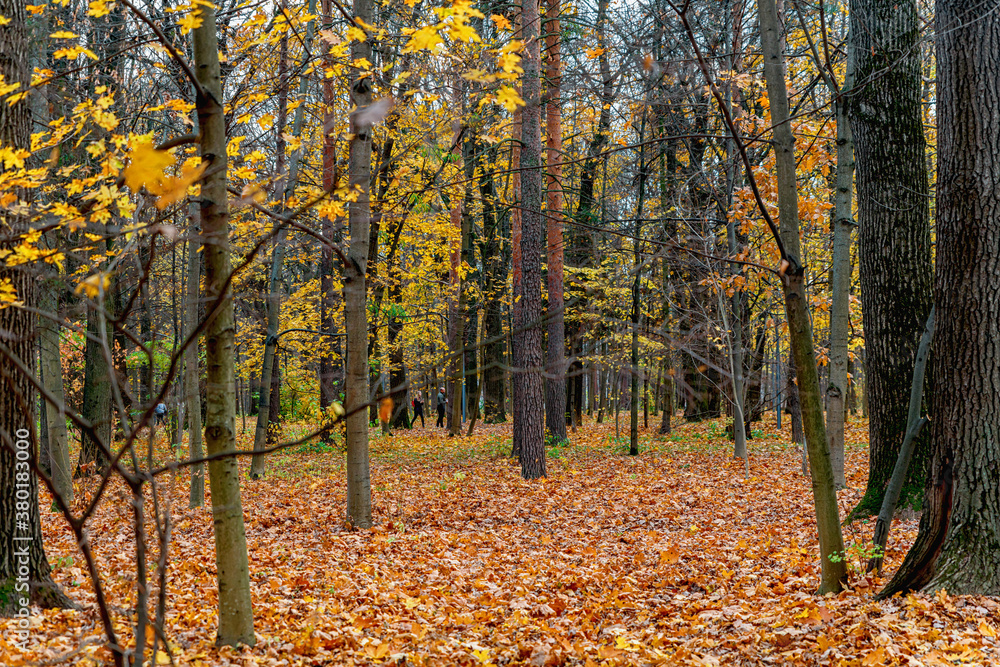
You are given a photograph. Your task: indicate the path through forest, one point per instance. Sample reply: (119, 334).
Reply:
(671, 557)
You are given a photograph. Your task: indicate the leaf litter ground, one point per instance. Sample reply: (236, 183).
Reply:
(669, 558)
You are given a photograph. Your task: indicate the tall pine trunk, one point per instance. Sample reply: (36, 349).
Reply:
(529, 410)
(555, 382)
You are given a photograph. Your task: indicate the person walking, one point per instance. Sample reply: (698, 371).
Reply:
(161, 414)
(418, 410)
(442, 403)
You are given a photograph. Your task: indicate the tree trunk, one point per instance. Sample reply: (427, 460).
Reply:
(843, 223)
(25, 575)
(52, 379)
(555, 382)
(495, 261)
(192, 373)
(894, 242)
(329, 391)
(529, 432)
(359, 498)
(264, 434)
(235, 611)
(831, 542)
(96, 409)
(958, 546)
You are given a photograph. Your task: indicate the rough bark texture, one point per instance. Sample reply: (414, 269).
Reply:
(359, 494)
(555, 383)
(831, 543)
(958, 546)
(235, 612)
(192, 374)
(25, 575)
(96, 407)
(54, 416)
(894, 242)
(529, 399)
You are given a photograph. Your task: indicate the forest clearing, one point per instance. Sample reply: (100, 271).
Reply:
(669, 558)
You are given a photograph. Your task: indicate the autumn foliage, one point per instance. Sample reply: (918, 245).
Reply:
(669, 558)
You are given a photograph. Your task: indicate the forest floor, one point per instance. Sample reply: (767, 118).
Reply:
(669, 558)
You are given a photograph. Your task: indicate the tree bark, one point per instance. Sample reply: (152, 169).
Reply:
(359, 497)
(235, 611)
(192, 372)
(894, 242)
(555, 382)
(529, 399)
(25, 575)
(831, 542)
(52, 379)
(958, 546)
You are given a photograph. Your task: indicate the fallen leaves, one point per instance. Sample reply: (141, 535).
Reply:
(472, 565)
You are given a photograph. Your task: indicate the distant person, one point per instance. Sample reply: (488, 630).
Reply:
(161, 413)
(418, 410)
(442, 402)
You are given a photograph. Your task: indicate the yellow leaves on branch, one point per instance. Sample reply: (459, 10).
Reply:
(8, 295)
(189, 22)
(454, 23)
(94, 285)
(147, 167)
(73, 52)
(509, 98)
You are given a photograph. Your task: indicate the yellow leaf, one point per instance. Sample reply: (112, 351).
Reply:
(146, 165)
(189, 22)
(174, 189)
(500, 22)
(94, 285)
(509, 98)
(98, 8)
(876, 657)
(425, 38)
(986, 629)
(63, 34)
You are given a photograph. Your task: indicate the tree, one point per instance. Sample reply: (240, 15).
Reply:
(529, 435)
(192, 370)
(235, 612)
(894, 242)
(792, 272)
(555, 381)
(958, 546)
(25, 574)
(359, 495)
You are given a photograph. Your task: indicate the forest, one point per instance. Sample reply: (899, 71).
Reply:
(433, 332)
